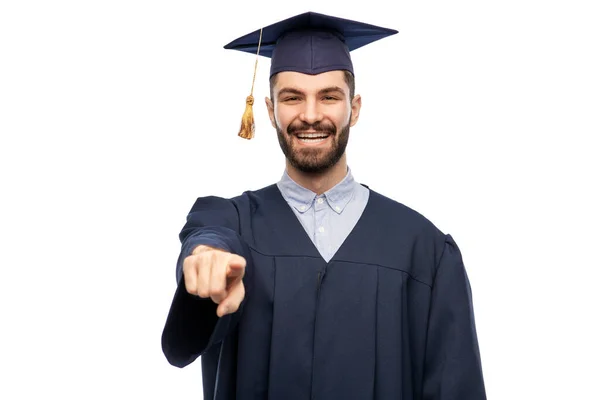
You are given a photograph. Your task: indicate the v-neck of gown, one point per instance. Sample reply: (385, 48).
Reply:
(296, 240)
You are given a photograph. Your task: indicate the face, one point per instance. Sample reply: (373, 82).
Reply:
(312, 115)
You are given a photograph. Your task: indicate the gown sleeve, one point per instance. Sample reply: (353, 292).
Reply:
(453, 368)
(192, 326)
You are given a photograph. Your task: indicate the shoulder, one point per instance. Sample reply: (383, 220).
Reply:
(242, 204)
(402, 216)
(414, 236)
(250, 200)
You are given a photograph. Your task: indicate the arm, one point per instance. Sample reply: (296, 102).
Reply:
(192, 325)
(452, 361)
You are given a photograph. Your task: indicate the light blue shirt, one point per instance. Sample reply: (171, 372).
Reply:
(329, 218)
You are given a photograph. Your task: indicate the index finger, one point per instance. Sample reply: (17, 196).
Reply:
(236, 266)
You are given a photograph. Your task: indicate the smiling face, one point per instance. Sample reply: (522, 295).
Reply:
(312, 115)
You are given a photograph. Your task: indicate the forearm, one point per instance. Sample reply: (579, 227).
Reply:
(189, 327)
(192, 325)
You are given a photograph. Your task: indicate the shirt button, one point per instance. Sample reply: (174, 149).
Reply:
(320, 200)
(337, 208)
(321, 229)
(302, 208)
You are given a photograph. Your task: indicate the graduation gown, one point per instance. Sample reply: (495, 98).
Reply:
(388, 317)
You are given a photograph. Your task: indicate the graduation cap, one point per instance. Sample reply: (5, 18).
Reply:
(309, 43)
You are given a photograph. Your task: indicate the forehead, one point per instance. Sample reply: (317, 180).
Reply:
(310, 83)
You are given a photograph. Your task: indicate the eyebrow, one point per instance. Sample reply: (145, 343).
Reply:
(330, 89)
(289, 90)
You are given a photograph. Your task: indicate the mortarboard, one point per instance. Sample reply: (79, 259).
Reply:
(310, 43)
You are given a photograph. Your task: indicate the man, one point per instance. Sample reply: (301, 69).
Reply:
(318, 287)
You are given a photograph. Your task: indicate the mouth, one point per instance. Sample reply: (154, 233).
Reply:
(312, 137)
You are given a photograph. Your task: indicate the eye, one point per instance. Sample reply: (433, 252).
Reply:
(330, 98)
(291, 98)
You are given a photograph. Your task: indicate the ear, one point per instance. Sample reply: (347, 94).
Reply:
(356, 104)
(271, 110)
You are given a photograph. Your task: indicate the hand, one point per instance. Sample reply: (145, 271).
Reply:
(215, 273)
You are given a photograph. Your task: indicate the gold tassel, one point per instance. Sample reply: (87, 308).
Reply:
(247, 127)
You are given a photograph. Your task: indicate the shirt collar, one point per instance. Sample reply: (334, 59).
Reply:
(302, 199)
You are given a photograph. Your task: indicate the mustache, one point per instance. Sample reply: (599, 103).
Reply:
(317, 127)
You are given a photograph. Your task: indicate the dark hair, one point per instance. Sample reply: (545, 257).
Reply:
(348, 77)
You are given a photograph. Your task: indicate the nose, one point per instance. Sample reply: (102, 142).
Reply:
(311, 113)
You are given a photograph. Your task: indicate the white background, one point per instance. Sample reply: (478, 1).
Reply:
(116, 115)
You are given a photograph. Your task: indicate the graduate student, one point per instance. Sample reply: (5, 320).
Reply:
(318, 287)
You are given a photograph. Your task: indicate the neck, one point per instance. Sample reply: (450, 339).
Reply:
(319, 182)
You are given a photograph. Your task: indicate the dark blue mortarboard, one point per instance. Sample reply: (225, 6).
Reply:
(310, 43)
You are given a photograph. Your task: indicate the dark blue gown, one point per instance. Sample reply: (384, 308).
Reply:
(389, 317)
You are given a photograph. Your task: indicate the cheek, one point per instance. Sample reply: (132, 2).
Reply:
(341, 116)
(283, 116)
(348, 111)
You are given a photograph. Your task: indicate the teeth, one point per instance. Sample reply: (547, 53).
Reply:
(312, 135)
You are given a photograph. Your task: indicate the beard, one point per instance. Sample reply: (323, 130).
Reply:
(313, 160)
